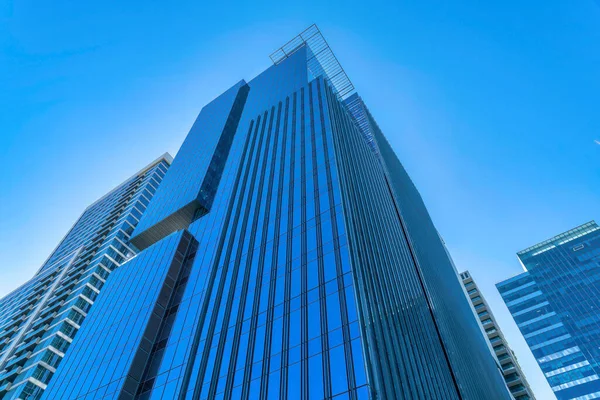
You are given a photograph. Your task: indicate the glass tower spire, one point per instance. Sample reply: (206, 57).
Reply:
(283, 258)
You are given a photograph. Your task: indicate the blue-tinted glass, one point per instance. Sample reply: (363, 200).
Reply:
(555, 303)
(40, 318)
(310, 263)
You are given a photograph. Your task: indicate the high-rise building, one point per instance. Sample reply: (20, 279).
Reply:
(283, 257)
(513, 375)
(556, 305)
(39, 320)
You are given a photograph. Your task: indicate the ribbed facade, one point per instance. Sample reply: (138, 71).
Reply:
(139, 321)
(511, 370)
(39, 320)
(472, 369)
(555, 304)
(303, 282)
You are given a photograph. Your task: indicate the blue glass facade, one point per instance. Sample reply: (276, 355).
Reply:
(301, 279)
(401, 225)
(149, 283)
(40, 319)
(189, 190)
(555, 303)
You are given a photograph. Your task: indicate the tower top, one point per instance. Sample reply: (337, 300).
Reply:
(321, 59)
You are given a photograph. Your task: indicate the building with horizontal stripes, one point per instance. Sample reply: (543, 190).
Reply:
(40, 319)
(286, 255)
(556, 305)
(511, 370)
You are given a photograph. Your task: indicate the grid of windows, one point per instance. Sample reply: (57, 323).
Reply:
(511, 370)
(271, 300)
(304, 281)
(149, 282)
(555, 303)
(473, 368)
(39, 320)
(289, 265)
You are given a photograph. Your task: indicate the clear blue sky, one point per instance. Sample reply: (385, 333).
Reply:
(493, 107)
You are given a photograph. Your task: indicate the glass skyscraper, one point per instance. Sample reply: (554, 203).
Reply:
(285, 255)
(556, 304)
(513, 375)
(39, 320)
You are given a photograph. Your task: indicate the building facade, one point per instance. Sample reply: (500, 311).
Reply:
(39, 320)
(556, 304)
(513, 375)
(284, 256)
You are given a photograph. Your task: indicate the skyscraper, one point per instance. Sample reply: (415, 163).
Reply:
(556, 304)
(39, 320)
(286, 254)
(513, 375)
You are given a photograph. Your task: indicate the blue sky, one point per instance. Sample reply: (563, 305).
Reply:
(492, 106)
